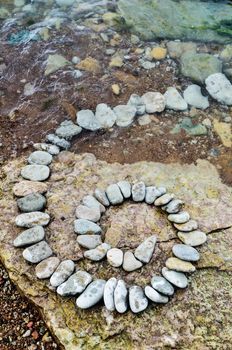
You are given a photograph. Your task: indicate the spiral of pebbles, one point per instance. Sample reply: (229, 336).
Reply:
(66, 278)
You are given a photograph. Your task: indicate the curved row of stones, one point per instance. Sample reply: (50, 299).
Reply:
(69, 281)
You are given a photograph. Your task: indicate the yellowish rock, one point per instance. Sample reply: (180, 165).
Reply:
(111, 18)
(116, 89)
(224, 132)
(116, 61)
(158, 53)
(179, 265)
(89, 64)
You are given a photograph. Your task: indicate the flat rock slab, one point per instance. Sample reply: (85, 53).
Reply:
(202, 304)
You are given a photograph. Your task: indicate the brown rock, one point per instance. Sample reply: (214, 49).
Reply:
(90, 64)
(23, 188)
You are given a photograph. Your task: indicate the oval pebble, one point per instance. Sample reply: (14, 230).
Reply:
(115, 257)
(178, 279)
(114, 194)
(63, 271)
(101, 197)
(185, 252)
(145, 250)
(193, 238)
(31, 202)
(125, 188)
(75, 284)
(179, 265)
(137, 299)
(120, 297)
(162, 285)
(92, 295)
(28, 237)
(97, 253)
(89, 241)
(46, 267)
(91, 202)
(68, 130)
(37, 252)
(24, 188)
(187, 226)
(109, 294)
(32, 219)
(40, 158)
(82, 226)
(154, 296)
(130, 263)
(174, 206)
(35, 172)
(52, 149)
(58, 141)
(179, 218)
(91, 214)
(164, 199)
(152, 193)
(138, 191)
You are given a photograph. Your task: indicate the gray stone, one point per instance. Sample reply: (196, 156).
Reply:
(40, 158)
(125, 115)
(193, 238)
(32, 219)
(185, 252)
(75, 284)
(101, 197)
(91, 202)
(105, 116)
(28, 237)
(220, 88)
(91, 214)
(145, 250)
(199, 66)
(179, 218)
(187, 226)
(92, 295)
(154, 296)
(193, 96)
(177, 48)
(89, 241)
(37, 252)
(82, 227)
(164, 199)
(178, 279)
(58, 141)
(176, 264)
(174, 100)
(136, 101)
(114, 194)
(115, 257)
(174, 206)
(154, 102)
(23, 188)
(97, 253)
(65, 2)
(125, 188)
(130, 263)
(152, 193)
(120, 297)
(52, 149)
(62, 273)
(147, 64)
(138, 191)
(35, 172)
(137, 299)
(31, 202)
(87, 120)
(160, 284)
(46, 267)
(55, 62)
(109, 294)
(68, 130)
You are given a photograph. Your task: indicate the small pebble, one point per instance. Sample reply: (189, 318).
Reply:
(154, 102)
(179, 218)
(109, 294)
(174, 206)
(58, 141)
(32, 219)
(164, 199)
(145, 250)
(62, 273)
(185, 252)
(178, 279)
(85, 213)
(28, 237)
(120, 297)
(115, 257)
(35, 172)
(136, 101)
(154, 296)
(114, 194)
(138, 191)
(125, 188)
(89, 241)
(152, 193)
(31, 202)
(37, 252)
(101, 197)
(87, 120)
(82, 227)
(75, 284)
(137, 299)
(97, 253)
(130, 263)
(91, 202)
(40, 158)
(160, 284)
(187, 226)
(68, 130)
(23, 188)
(47, 267)
(193, 238)
(52, 149)
(92, 295)
(174, 100)
(179, 265)
(125, 115)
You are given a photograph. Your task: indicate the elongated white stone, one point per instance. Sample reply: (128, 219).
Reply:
(109, 294)
(154, 296)
(35, 218)
(120, 297)
(160, 284)
(31, 236)
(63, 271)
(179, 218)
(125, 188)
(92, 295)
(101, 197)
(177, 278)
(82, 226)
(37, 252)
(137, 300)
(152, 193)
(52, 149)
(164, 199)
(114, 194)
(145, 250)
(75, 284)
(91, 202)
